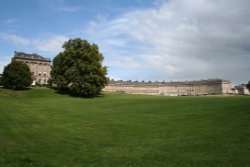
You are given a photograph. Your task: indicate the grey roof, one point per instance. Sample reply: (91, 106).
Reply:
(197, 82)
(30, 56)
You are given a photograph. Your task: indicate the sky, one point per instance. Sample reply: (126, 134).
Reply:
(150, 40)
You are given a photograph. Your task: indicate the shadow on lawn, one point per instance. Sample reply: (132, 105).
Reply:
(13, 93)
(69, 93)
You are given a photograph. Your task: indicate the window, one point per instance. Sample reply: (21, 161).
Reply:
(33, 63)
(45, 81)
(44, 74)
(40, 65)
(32, 73)
(40, 74)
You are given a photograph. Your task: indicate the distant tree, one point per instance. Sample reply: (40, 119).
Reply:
(16, 75)
(248, 85)
(78, 69)
(1, 80)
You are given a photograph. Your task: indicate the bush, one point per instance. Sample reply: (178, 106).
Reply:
(1, 84)
(16, 75)
(248, 85)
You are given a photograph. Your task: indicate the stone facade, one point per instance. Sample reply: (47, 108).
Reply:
(191, 88)
(241, 90)
(40, 67)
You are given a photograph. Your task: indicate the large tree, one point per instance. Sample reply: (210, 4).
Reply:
(0, 79)
(16, 75)
(78, 69)
(248, 85)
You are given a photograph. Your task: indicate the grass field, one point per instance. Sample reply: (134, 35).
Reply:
(41, 128)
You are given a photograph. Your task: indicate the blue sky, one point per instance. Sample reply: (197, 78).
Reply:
(171, 40)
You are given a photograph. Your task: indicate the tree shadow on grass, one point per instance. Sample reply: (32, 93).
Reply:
(16, 89)
(69, 93)
(13, 93)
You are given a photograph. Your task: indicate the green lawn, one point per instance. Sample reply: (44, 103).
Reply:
(41, 128)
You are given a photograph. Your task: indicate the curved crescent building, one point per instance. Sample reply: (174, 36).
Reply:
(40, 68)
(190, 88)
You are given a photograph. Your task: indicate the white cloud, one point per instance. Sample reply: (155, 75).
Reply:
(125, 63)
(69, 8)
(52, 44)
(59, 5)
(179, 40)
(10, 21)
(14, 38)
(3, 62)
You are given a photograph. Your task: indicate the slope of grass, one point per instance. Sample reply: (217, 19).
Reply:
(41, 128)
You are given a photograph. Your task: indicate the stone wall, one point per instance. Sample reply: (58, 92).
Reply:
(201, 87)
(39, 67)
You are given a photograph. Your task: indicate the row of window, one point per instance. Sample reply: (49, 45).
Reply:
(40, 81)
(39, 74)
(40, 64)
(35, 63)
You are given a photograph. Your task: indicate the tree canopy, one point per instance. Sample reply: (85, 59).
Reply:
(78, 69)
(1, 80)
(248, 85)
(16, 75)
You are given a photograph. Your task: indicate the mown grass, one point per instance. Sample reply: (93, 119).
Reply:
(41, 128)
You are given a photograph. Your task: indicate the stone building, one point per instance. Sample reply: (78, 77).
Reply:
(191, 88)
(241, 90)
(40, 67)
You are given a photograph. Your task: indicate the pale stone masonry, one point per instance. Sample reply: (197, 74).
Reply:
(40, 67)
(241, 90)
(201, 87)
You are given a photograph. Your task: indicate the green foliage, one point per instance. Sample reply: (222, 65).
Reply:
(1, 80)
(248, 85)
(78, 69)
(16, 75)
(46, 129)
